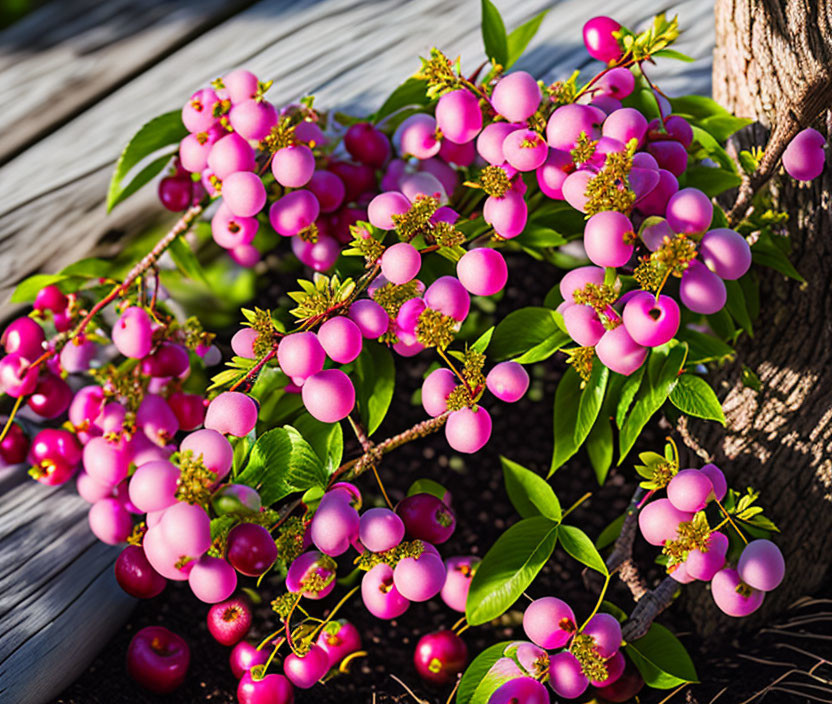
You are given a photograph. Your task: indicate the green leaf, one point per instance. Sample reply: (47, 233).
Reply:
(721, 127)
(494, 34)
(160, 132)
(482, 342)
(711, 180)
(575, 411)
(767, 251)
(509, 567)
(579, 546)
(712, 148)
(527, 335)
(704, 348)
(282, 463)
(592, 397)
(519, 38)
(427, 486)
(698, 107)
(599, 447)
(475, 673)
(737, 307)
(695, 397)
(414, 91)
(628, 392)
(91, 268)
(673, 54)
(326, 439)
(540, 236)
(663, 366)
(186, 260)
(669, 662)
(27, 289)
(610, 534)
(529, 493)
(375, 378)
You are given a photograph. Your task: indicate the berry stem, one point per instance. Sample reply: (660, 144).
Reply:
(576, 504)
(598, 602)
(12, 415)
(731, 521)
(334, 611)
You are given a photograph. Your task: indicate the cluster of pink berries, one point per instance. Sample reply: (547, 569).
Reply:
(589, 655)
(698, 553)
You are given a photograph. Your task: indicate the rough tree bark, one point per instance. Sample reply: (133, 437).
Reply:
(773, 63)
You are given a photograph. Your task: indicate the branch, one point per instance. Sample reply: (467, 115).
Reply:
(420, 430)
(648, 607)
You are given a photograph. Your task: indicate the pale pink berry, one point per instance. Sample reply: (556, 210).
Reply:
(232, 413)
(186, 529)
(689, 490)
(576, 280)
(726, 253)
(417, 136)
(574, 188)
(133, 333)
(400, 263)
(153, 485)
(198, 112)
(294, 212)
(305, 671)
(549, 622)
(583, 324)
(419, 578)
(301, 354)
(608, 239)
(733, 596)
(212, 579)
(482, 271)
(253, 119)
(507, 215)
(625, 124)
(490, 141)
(293, 166)
(319, 255)
(619, 352)
(229, 154)
(508, 381)
(329, 395)
(568, 122)
(436, 388)
(449, 297)
(467, 430)
(384, 206)
(380, 595)
(240, 85)
(659, 519)
(701, 290)
(525, 150)
(649, 320)
(212, 448)
(617, 83)
(458, 115)
(341, 339)
(516, 96)
(230, 231)
(761, 565)
(244, 194)
(380, 529)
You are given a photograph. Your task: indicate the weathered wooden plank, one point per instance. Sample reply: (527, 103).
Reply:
(350, 54)
(66, 55)
(324, 48)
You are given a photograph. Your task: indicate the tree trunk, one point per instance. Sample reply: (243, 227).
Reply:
(772, 63)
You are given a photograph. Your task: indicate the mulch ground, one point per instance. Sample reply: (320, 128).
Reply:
(522, 432)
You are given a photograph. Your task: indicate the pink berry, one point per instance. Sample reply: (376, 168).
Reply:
(319, 255)
(467, 430)
(51, 396)
(400, 263)
(440, 657)
(301, 355)
(304, 671)
(407, 320)
(367, 144)
(617, 83)
(670, 155)
(649, 320)
(311, 564)
(251, 549)
(576, 280)
(680, 573)
(426, 518)
(293, 166)
(458, 116)
(459, 573)
(520, 690)
(230, 231)
(51, 298)
(717, 478)
(701, 290)
(419, 578)
(109, 521)
(198, 112)
(271, 689)
(339, 639)
(689, 490)
(232, 413)
(804, 158)
(417, 136)
(381, 209)
(568, 122)
(490, 141)
(659, 519)
(153, 485)
(461, 155)
(606, 631)
(380, 595)
(625, 124)
(507, 215)
(241, 85)
(618, 351)
(583, 324)
(525, 150)
(252, 119)
(158, 659)
(516, 96)
(435, 391)
(340, 338)
(705, 564)
(335, 525)
(245, 255)
(244, 194)
(508, 381)
(329, 395)
(17, 376)
(294, 212)
(449, 297)
(106, 461)
(161, 556)
(91, 490)
(689, 211)
(212, 579)
(566, 677)
(168, 359)
(24, 337)
(229, 154)
(655, 202)
(599, 40)
(608, 239)
(156, 419)
(726, 253)
(329, 189)
(136, 576)
(230, 620)
(194, 150)
(242, 344)
(761, 565)
(574, 189)
(679, 129)
(380, 529)
(549, 622)
(186, 529)
(371, 318)
(733, 596)
(244, 656)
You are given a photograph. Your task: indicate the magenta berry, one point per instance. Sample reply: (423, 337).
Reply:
(380, 529)
(508, 381)
(380, 595)
(717, 478)
(420, 578)
(804, 158)
(158, 659)
(608, 238)
(367, 144)
(153, 485)
(329, 189)
(435, 391)
(620, 352)
(689, 211)
(650, 320)
(606, 631)
(520, 690)
(449, 297)
(175, 193)
(294, 212)
(566, 677)
(251, 550)
(507, 215)
(417, 136)
(17, 376)
(304, 671)
(615, 668)
(440, 657)
(761, 565)
(189, 409)
(459, 571)
(458, 115)
(136, 576)
(426, 518)
(599, 40)
(549, 622)
(168, 359)
(670, 155)
(733, 596)
(400, 263)
(339, 639)
(301, 355)
(705, 564)
(658, 521)
(271, 689)
(468, 429)
(51, 298)
(15, 446)
(24, 337)
(329, 395)
(51, 396)
(726, 253)
(232, 413)
(312, 563)
(370, 317)
(516, 96)
(244, 656)
(689, 490)
(701, 290)
(229, 621)
(482, 271)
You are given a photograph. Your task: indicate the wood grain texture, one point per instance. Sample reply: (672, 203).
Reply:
(350, 54)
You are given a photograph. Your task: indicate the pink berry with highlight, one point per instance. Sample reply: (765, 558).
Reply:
(599, 40)
(232, 413)
(400, 263)
(689, 490)
(294, 212)
(659, 519)
(726, 253)
(516, 96)
(761, 565)
(549, 622)
(380, 595)
(618, 351)
(458, 116)
(566, 676)
(733, 596)
(608, 239)
(689, 211)
(508, 381)
(380, 529)
(649, 320)
(212, 579)
(341, 339)
(329, 395)
(804, 157)
(701, 290)
(468, 430)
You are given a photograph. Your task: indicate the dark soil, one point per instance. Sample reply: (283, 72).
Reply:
(522, 432)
